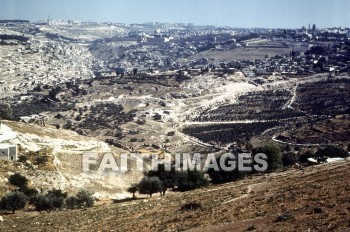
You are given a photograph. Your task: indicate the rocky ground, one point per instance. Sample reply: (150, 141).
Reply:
(313, 199)
(63, 169)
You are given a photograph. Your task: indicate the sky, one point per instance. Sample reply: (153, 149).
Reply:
(235, 13)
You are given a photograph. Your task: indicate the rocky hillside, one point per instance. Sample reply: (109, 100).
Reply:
(313, 199)
(62, 152)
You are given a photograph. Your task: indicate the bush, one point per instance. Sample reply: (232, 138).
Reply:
(191, 206)
(284, 217)
(308, 154)
(171, 133)
(78, 117)
(18, 180)
(13, 201)
(85, 199)
(332, 151)
(289, 159)
(150, 185)
(141, 121)
(318, 210)
(23, 159)
(71, 202)
(57, 202)
(41, 159)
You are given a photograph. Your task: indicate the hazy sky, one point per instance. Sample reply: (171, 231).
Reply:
(236, 13)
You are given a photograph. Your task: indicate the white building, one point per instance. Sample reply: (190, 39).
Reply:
(8, 152)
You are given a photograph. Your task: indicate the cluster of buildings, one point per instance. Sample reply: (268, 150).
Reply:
(42, 61)
(174, 48)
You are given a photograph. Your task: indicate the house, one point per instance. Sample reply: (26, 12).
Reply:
(8, 152)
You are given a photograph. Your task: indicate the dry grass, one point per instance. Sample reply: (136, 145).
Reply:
(316, 198)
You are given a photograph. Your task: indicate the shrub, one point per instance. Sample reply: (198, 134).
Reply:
(18, 180)
(191, 206)
(284, 217)
(57, 202)
(289, 159)
(308, 154)
(318, 210)
(71, 202)
(13, 201)
(41, 159)
(251, 228)
(85, 199)
(332, 151)
(22, 158)
(78, 117)
(141, 121)
(171, 133)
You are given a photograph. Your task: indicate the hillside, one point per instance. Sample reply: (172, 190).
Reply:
(63, 169)
(313, 199)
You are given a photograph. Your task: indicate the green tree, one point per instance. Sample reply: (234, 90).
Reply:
(42, 202)
(167, 177)
(273, 154)
(57, 197)
(13, 201)
(190, 180)
(133, 189)
(150, 185)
